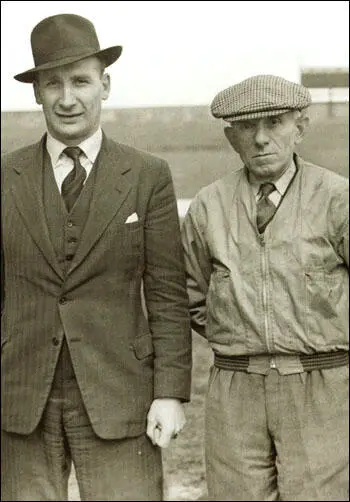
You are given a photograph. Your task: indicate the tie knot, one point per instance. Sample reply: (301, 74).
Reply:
(73, 152)
(266, 189)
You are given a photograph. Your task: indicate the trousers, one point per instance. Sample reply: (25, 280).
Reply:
(38, 466)
(277, 437)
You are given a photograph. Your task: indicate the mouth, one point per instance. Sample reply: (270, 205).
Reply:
(262, 155)
(68, 117)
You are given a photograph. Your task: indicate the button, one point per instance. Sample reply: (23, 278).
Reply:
(273, 363)
(72, 240)
(55, 341)
(70, 224)
(62, 300)
(69, 257)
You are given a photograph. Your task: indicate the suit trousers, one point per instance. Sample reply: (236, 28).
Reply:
(277, 437)
(37, 467)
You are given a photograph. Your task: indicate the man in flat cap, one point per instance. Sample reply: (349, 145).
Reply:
(93, 372)
(266, 254)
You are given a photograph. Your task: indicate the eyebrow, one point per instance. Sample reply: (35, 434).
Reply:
(57, 76)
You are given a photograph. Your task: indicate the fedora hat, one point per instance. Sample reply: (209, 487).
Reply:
(63, 39)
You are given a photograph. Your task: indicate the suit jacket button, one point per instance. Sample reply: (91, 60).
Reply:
(55, 341)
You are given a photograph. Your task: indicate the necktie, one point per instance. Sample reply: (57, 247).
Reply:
(74, 181)
(265, 208)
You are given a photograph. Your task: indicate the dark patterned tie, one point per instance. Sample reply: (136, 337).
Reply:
(74, 181)
(265, 209)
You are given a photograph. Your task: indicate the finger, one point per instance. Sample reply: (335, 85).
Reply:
(157, 433)
(164, 438)
(178, 429)
(151, 427)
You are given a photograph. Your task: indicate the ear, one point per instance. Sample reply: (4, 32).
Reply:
(302, 124)
(37, 92)
(230, 135)
(106, 84)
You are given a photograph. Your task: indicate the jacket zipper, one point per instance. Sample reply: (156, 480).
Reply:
(264, 290)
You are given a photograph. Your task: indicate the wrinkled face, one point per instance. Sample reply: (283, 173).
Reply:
(266, 145)
(71, 97)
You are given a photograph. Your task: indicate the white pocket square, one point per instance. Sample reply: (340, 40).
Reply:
(132, 218)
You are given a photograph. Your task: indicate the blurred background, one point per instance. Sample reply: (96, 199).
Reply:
(176, 56)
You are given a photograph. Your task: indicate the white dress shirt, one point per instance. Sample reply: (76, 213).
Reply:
(62, 164)
(281, 186)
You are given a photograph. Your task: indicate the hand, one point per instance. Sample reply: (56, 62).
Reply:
(165, 420)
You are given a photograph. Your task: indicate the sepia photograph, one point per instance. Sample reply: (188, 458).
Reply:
(174, 250)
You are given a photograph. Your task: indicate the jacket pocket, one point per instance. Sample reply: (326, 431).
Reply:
(223, 319)
(319, 297)
(143, 346)
(326, 305)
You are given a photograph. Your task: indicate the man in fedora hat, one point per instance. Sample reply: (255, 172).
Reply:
(266, 254)
(96, 348)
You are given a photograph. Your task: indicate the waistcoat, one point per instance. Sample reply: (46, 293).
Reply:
(65, 230)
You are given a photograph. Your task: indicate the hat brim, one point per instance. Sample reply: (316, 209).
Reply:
(108, 56)
(258, 114)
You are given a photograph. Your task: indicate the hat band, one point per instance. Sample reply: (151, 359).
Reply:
(63, 53)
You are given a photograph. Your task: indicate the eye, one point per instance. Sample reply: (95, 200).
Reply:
(246, 125)
(81, 81)
(275, 120)
(51, 83)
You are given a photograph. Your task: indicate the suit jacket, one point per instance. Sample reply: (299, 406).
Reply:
(124, 354)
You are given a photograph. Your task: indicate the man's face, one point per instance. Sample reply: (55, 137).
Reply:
(71, 98)
(266, 145)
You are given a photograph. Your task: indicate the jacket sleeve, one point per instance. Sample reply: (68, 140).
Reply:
(165, 292)
(338, 220)
(197, 263)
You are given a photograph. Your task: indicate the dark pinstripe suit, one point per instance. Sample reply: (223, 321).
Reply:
(122, 360)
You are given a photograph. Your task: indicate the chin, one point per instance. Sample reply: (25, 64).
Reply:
(263, 168)
(70, 135)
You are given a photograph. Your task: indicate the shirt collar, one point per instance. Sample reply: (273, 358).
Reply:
(90, 146)
(281, 184)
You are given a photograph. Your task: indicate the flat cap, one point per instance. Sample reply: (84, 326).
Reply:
(259, 96)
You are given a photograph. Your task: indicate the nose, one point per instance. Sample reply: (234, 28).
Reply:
(261, 137)
(67, 98)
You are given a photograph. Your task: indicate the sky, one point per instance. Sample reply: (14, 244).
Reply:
(183, 52)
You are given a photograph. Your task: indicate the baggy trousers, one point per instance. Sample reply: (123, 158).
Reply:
(277, 437)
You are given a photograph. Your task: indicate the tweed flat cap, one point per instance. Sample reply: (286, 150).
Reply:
(259, 96)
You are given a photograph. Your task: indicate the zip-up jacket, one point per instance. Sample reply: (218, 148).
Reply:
(284, 291)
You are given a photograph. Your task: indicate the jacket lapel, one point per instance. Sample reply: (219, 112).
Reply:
(28, 194)
(110, 190)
